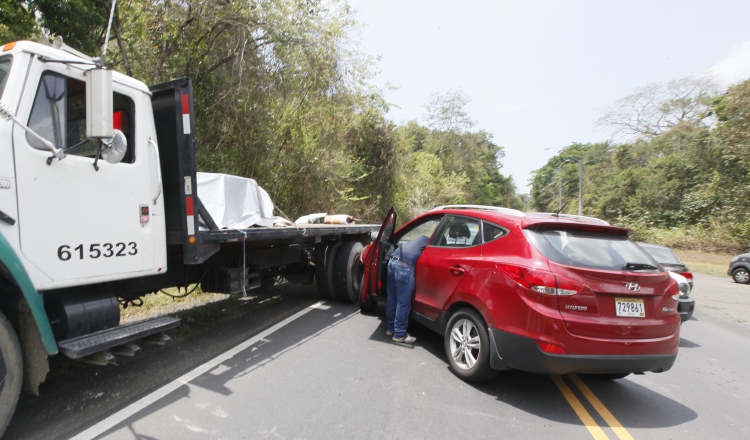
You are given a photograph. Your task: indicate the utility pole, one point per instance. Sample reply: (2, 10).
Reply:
(580, 186)
(580, 179)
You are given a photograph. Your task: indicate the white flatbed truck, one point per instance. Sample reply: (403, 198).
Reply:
(99, 206)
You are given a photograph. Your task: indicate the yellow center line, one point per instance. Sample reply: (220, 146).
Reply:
(577, 406)
(601, 409)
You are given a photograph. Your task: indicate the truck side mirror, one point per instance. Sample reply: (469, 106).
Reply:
(99, 104)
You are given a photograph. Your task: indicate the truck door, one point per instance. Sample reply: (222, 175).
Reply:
(77, 224)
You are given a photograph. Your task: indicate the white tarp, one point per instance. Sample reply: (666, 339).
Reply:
(234, 202)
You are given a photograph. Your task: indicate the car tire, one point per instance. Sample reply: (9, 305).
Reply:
(11, 372)
(467, 346)
(741, 275)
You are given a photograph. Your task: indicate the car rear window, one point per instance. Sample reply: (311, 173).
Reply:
(662, 255)
(591, 249)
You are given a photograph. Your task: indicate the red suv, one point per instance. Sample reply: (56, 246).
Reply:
(544, 293)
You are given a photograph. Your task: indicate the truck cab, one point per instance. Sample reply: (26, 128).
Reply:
(76, 223)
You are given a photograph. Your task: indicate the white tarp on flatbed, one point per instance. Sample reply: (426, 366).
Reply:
(235, 202)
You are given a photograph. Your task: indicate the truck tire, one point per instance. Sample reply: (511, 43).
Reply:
(11, 372)
(347, 273)
(324, 271)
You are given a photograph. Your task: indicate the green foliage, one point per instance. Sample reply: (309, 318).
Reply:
(81, 23)
(16, 21)
(427, 185)
(713, 238)
(688, 187)
(282, 95)
(448, 163)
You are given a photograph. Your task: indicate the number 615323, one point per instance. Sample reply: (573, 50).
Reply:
(97, 250)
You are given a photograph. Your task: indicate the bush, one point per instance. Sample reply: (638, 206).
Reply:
(714, 238)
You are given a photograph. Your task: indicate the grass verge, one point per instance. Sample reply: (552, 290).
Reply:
(198, 311)
(706, 263)
(162, 304)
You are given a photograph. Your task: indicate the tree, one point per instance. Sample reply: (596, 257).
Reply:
(447, 112)
(653, 109)
(16, 21)
(81, 23)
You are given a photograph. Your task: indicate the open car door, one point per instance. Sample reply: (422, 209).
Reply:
(375, 267)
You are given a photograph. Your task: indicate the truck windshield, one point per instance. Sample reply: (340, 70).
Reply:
(4, 69)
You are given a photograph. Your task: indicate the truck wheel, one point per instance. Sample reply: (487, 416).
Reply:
(347, 274)
(324, 271)
(11, 372)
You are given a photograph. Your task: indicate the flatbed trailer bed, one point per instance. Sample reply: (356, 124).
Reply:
(287, 234)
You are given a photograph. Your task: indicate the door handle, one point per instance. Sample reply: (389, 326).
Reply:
(154, 169)
(456, 271)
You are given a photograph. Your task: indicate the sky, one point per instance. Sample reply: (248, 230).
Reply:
(540, 72)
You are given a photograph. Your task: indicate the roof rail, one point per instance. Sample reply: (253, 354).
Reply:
(508, 211)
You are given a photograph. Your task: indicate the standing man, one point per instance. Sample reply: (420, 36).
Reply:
(401, 287)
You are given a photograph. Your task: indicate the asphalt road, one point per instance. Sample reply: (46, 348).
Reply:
(327, 371)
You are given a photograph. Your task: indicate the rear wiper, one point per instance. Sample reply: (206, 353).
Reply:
(638, 266)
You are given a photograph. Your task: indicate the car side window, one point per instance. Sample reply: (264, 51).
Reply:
(457, 231)
(492, 232)
(59, 115)
(425, 228)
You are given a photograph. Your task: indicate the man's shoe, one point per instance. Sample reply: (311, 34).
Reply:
(408, 339)
(388, 333)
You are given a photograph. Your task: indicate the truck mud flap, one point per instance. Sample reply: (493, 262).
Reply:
(76, 348)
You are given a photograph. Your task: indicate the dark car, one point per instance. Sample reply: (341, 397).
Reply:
(739, 268)
(538, 292)
(670, 261)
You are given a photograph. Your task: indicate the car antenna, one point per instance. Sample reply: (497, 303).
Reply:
(557, 214)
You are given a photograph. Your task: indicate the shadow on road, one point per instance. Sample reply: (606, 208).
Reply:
(77, 395)
(635, 406)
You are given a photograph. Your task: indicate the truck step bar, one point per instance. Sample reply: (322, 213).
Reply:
(76, 348)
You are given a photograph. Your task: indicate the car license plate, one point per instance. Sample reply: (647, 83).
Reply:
(630, 307)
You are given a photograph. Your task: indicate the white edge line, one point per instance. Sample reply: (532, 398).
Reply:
(185, 379)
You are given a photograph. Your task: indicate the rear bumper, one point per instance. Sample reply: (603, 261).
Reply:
(512, 351)
(685, 308)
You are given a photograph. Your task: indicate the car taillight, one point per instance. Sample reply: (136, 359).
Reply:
(541, 281)
(687, 274)
(551, 348)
